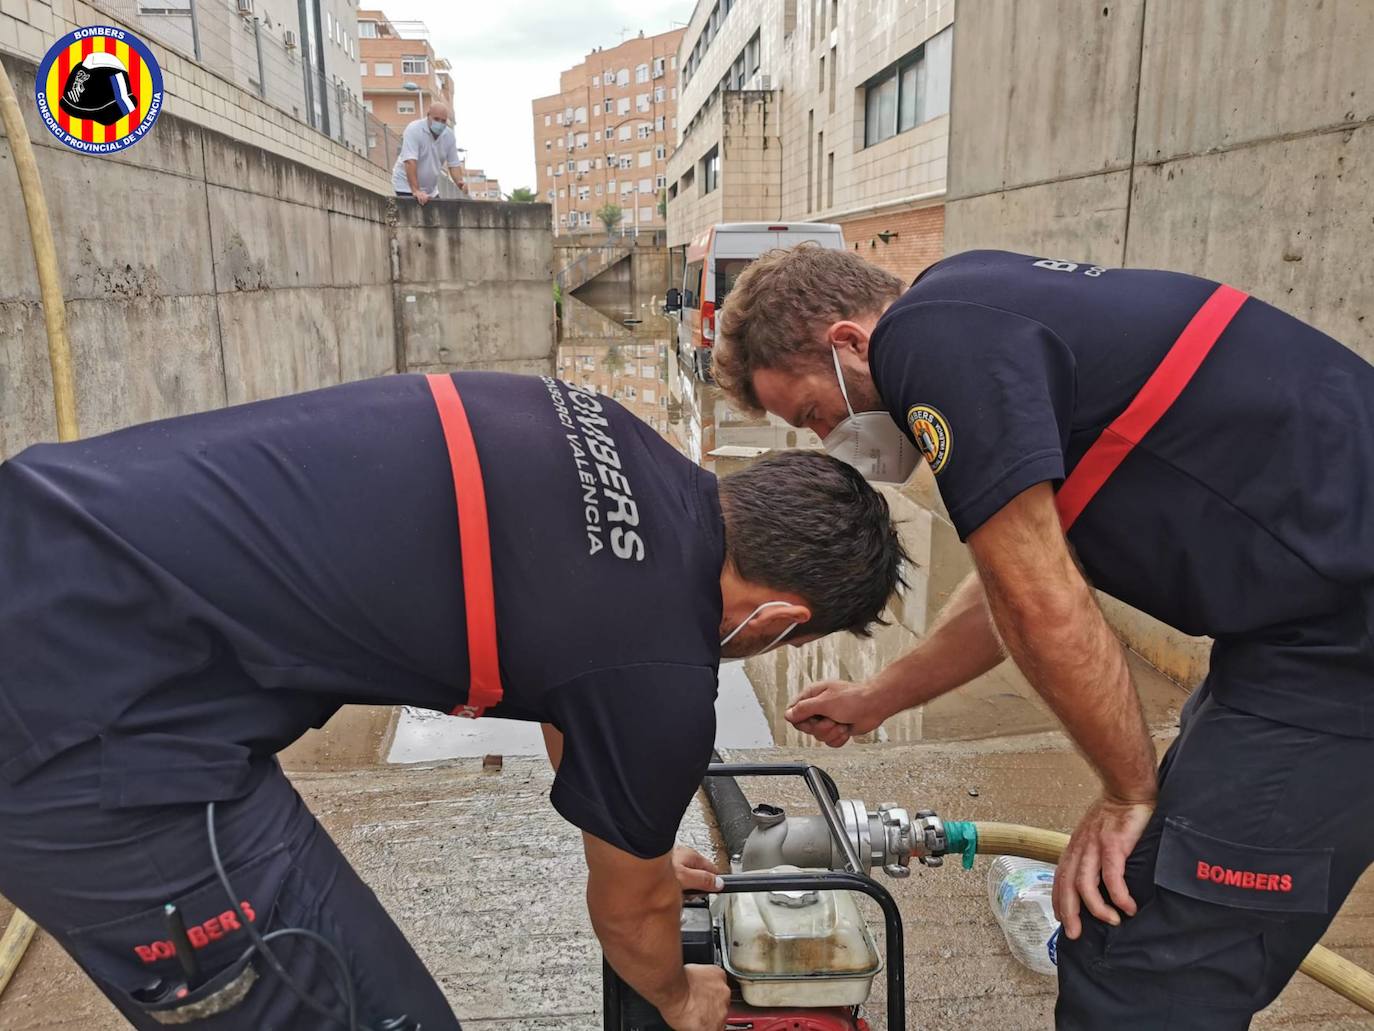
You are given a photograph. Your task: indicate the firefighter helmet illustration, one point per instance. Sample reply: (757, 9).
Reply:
(98, 88)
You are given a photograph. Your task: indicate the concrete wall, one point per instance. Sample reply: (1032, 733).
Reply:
(1231, 141)
(200, 271)
(192, 91)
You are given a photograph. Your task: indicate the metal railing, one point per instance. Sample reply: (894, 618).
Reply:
(263, 57)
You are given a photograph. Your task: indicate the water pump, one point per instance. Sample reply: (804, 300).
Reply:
(787, 928)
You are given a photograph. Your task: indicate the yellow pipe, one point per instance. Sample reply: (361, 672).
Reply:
(1322, 965)
(21, 929)
(44, 257)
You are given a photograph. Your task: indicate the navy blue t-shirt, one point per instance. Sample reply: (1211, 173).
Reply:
(198, 592)
(1247, 512)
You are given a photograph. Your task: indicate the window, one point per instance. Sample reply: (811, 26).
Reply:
(548, 144)
(659, 94)
(622, 106)
(646, 186)
(622, 77)
(582, 141)
(584, 165)
(558, 117)
(691, 285)
(598, 189)
(820, 76)
(405, 107)
(362, 68)
(548, 119)
(596, 110)
(627, 187)
(367, 30)
(660, 153)
(658, 67)
(625, 132)
(580, 116)
(596, 136)
(727, 272)
(596, 80)
(584, 193)
(710, 170)
(626, 161)
(659, 123)
(383, 69)
(329, 26)
(752, 54)
(834, 68)
(660, 182)
(610, 187)
(644, 131)
(673, 93)
(645, 159)
(642, 73)
(646, 214)
(642, 103)
(415, 65)
(548, 169)
(913, 91)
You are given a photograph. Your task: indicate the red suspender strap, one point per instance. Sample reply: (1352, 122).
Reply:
(474, 539)
(1158, 394)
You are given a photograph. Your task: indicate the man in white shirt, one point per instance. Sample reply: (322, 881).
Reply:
(426, 148)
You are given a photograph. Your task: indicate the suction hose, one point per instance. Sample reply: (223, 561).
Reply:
(1009, 839)
(21, 928)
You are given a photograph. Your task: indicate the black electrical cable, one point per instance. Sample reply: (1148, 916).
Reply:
(350, 1018)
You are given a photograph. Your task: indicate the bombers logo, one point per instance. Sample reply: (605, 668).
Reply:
(99, 89)
(930, 430)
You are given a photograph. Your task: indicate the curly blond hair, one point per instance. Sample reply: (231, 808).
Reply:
(774, 315)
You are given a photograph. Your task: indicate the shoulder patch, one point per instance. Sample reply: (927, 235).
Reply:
(931, 432)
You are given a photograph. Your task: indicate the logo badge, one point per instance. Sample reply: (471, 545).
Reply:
(99, 89)
(930, 430)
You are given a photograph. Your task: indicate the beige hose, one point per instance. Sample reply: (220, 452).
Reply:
(21, 928)
(1322, 965)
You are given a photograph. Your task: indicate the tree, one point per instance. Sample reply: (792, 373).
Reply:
(663, 204)
(610, 216)
(522, 195)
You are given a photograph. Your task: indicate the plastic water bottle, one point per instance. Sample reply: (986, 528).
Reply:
(1021, 894)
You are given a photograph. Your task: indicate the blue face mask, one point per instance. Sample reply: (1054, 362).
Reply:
(437, 129)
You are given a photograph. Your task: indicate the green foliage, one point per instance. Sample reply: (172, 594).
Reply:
(523, 195)
(610, 216)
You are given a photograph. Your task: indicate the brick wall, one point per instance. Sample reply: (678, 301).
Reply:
(191, 91)
(919, 242)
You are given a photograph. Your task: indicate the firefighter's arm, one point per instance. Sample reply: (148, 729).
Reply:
(636, 910)
(1051, 625)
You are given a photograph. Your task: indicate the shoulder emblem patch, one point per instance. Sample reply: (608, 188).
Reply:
(931, 432)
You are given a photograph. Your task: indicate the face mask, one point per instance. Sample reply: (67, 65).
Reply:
(437, 129)
(773, 643)
(870, 442)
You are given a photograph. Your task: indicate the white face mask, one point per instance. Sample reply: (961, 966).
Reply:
(871, 442)
(773, 643)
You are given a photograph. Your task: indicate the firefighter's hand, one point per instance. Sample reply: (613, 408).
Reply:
(1106, 835)
(704, 1006)
(695, 872)
(833, 711)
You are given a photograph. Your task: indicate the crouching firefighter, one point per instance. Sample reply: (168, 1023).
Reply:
(180, 601)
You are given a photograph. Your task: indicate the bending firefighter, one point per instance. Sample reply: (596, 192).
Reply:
(1187, 449)
(180, 601)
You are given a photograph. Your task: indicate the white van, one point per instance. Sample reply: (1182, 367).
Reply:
(714, 261)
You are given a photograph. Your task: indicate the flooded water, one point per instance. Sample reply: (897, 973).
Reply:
(628, 351)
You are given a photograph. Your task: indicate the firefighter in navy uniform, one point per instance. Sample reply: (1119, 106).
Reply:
(181, 600)
(1187, 449)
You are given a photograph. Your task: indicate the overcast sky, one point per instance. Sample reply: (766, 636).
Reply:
(507, 52)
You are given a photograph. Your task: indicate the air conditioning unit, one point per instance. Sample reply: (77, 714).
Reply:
(288, 37)
(246, 8)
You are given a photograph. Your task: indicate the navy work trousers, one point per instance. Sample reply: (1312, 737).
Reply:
(97, 881)
(1262, 829)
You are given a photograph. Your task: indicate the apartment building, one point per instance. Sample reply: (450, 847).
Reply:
(480, 187)
(632, 371)
(401, 74)
(817, 110)
(605, 136)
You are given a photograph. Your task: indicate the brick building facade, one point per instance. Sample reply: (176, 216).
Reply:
(605, 137)
(394, 54)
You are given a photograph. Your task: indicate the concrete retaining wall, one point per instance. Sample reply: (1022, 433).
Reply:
(1234, 141)
(201, 271)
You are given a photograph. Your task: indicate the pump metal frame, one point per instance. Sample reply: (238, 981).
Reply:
(853, 878)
